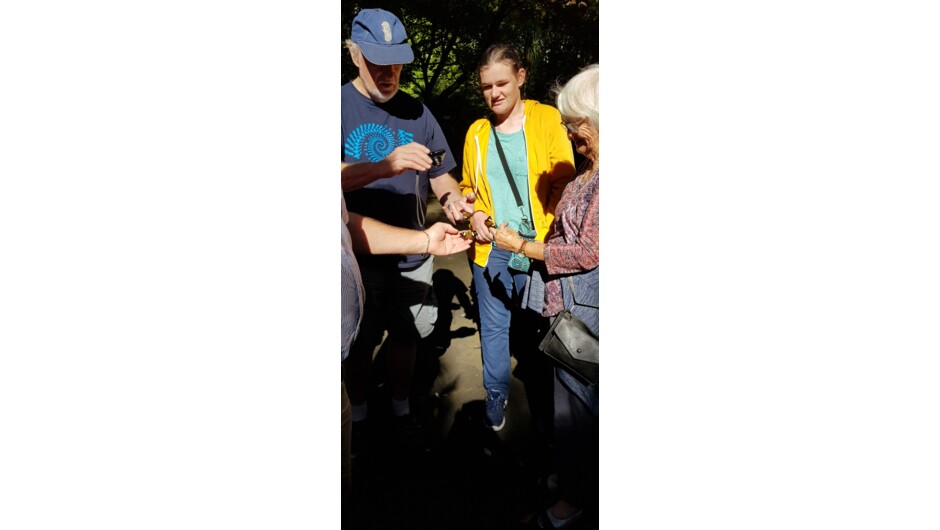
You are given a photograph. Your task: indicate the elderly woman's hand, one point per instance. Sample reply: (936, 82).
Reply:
(507, 238)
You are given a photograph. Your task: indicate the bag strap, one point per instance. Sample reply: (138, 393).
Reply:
(502, 158)
(574, 300)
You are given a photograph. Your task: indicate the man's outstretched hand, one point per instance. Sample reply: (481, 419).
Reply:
(445, 240)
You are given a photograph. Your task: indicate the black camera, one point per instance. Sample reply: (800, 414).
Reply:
(437, 158)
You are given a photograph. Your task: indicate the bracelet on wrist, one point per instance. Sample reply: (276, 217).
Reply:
(428, 247)
(522, 247)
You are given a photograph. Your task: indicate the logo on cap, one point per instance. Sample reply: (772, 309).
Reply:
(387, 30)
(381, 37)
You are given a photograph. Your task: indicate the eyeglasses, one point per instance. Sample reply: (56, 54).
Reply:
(570, 127)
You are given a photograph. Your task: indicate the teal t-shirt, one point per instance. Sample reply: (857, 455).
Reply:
(504, 202)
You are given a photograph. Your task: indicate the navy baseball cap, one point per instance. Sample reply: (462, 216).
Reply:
(381, 37)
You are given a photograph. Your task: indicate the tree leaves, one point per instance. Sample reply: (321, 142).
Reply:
(556, 39)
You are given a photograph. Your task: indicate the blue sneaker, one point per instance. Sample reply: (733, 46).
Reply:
(495, 410)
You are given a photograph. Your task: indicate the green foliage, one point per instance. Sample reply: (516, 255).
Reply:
(556, 38)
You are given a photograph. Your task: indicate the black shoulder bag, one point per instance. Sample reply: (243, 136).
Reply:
(517, 261)
(572, 345)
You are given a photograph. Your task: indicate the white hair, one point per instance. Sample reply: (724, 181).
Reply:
(352, 47)
(579, 98)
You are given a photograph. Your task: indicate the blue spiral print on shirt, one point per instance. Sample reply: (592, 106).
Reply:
(405, 137)
(374, 142)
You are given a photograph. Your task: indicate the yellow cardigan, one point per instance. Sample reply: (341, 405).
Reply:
(551, 168)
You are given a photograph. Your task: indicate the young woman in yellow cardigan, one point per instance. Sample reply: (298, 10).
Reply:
(540, 161)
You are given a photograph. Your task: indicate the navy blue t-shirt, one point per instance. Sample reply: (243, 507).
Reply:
(370, 132)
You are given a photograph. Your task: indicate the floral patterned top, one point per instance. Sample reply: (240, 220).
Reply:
(573, 246)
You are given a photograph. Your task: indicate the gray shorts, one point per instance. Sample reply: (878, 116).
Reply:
(400, 302)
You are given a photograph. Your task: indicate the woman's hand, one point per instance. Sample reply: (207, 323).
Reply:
(484, 233)
(507, 238)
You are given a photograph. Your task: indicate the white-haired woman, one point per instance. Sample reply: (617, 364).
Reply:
(572, 252)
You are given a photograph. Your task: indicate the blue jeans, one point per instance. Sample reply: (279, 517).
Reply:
(498, 291)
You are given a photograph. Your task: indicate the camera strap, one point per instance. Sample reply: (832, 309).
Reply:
(509, 177)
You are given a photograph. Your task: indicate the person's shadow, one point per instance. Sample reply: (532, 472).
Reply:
(448, 287)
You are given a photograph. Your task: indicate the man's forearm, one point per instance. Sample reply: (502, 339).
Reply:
(370, 236)
(355, 176)
(445, 188)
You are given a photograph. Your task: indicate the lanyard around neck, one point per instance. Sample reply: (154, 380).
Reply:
(502, 158)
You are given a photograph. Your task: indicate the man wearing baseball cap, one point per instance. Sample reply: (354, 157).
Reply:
(387, 172)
